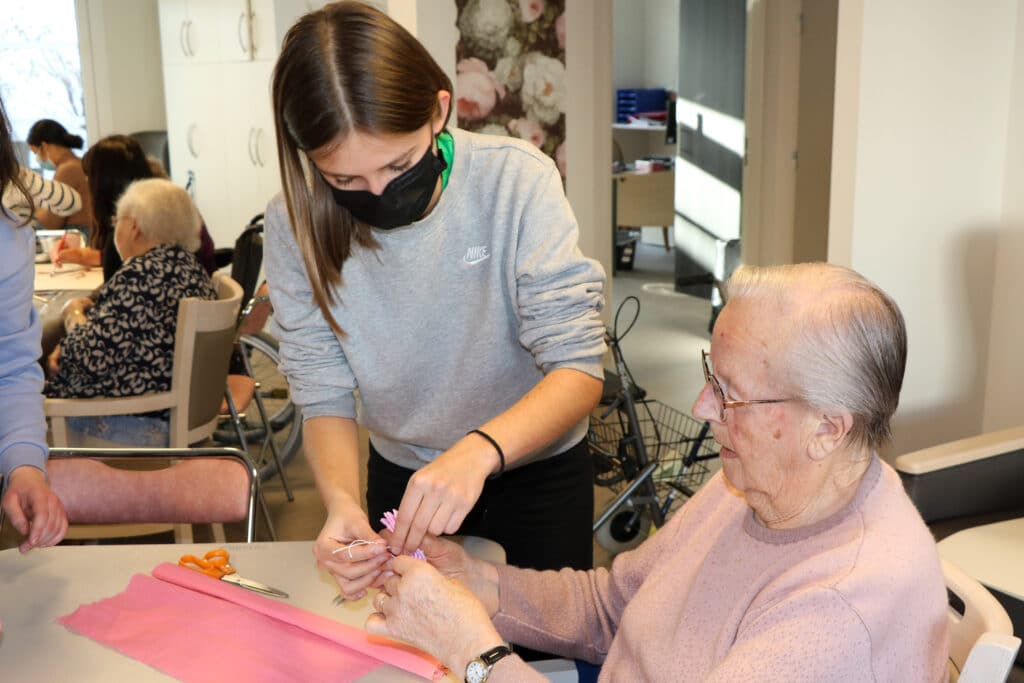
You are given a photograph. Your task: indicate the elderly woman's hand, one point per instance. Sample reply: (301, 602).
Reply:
(53, 361)
(73, 312)
(435, 613)
(452, 560)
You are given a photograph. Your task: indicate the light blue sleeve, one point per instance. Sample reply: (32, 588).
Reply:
(560, 293)
(22, 423)
(312, 359)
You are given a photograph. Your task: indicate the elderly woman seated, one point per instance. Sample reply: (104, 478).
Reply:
(123, 343)
(802, 560)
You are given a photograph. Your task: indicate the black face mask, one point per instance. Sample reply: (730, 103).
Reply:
(404, 199)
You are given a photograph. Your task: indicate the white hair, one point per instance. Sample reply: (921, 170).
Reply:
(163, 211)
(847, 342)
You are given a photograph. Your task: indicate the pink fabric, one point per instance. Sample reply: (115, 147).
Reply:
(198, 629)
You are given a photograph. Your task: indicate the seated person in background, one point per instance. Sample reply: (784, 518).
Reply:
(123, 343)
(56, 197)
(111, 164)
(52, 144)
(803, 559)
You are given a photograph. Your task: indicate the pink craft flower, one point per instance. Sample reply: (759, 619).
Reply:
(560, 30)
(528, 130)
(478, 90)
(531, 9)
(388, 520)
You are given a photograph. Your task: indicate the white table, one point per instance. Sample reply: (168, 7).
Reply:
(42, 585)
(68, 278)
(972, 551)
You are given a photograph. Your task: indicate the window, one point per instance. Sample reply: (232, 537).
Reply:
(40, 68)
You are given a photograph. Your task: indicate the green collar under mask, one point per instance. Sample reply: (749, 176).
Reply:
(446, 145)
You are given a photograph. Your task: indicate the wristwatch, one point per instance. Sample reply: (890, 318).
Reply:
(479, 669)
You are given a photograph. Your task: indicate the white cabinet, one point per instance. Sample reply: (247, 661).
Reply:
(218, 60)
(252, 176)
(191, 30)
(196, 132)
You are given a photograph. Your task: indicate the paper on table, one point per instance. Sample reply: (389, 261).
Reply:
(166, 623)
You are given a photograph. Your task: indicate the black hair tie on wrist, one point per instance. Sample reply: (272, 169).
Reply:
(501, 453)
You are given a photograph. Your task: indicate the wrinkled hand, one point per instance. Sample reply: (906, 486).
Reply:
(453, 562)
(359, 566)
(73, 312)
(440, 495)
(435, 613)
(53, 361)
(34, 510)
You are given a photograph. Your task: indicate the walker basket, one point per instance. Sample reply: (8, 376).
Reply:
(672, 438)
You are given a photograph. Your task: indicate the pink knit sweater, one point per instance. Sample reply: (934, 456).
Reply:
(716, 596)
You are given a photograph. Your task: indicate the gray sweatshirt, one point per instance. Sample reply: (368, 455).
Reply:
(455, 317)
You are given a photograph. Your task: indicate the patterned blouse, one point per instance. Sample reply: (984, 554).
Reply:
(126, 345)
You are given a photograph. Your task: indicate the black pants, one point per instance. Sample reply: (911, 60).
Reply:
(540, 513)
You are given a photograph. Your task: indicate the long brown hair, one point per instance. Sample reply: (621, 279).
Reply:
(345, 67)
(112, 164)
(10, 169)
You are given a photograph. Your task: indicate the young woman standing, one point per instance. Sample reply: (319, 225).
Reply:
(437, 272)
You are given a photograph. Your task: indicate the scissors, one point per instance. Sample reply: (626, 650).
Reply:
(215, 564)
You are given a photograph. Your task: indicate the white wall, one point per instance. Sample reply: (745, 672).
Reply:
(1004, 406)
(121, 67)
(922, 121)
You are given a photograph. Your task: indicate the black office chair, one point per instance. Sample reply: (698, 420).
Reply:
(154, 144)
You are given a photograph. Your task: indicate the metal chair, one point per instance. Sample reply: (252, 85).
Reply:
(203, 340)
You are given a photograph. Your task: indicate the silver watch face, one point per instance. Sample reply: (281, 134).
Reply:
(476, 671)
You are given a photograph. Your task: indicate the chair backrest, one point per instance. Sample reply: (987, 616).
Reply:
(248, 257)
(982, 647)
(193, 486)
(154, 144)
(204, 339)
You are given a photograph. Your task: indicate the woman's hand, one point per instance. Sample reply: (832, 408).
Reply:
(53, 361)
(84, 256)
(441, 494)
(452, 560)
(34, 509)
(73, 312)
(433, 612)
(354, 567)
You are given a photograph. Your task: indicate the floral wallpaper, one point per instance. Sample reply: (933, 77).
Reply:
(510, 71)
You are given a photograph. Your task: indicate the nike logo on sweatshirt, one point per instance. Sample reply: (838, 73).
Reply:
(475, 255)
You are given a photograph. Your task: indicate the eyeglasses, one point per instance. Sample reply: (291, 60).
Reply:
(719, 393)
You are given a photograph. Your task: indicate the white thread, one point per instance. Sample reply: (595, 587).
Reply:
(348, 547)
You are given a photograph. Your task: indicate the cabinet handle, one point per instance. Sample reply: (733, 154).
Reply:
(241, 38)
(256, 146)
(252, 158)
(188, 38)
(253, 32)
(190, 141)
(181, 39)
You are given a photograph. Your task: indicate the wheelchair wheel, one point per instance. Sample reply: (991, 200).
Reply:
(284, 416)
(627, 529)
